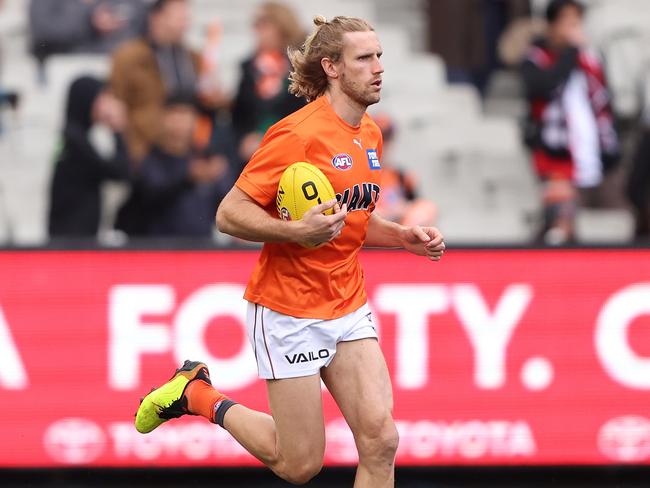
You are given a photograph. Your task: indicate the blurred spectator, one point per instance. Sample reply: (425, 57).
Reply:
(84, 26)
(638, 188)
(570, 128)
(399, 201)
(212, 96)
(465, 34)
(263, 97)
(151, 69)
(75, 204)
(176, 190)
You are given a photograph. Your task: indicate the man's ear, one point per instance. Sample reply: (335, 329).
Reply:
(329, 67)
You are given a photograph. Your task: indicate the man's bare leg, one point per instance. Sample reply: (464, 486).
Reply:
(292, 441)
(358, 379)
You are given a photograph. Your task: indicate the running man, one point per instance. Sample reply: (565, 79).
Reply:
(307, 313)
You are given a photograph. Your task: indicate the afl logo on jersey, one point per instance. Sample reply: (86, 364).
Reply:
(342, 161)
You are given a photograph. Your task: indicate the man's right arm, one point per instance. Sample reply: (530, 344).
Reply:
(241, 216)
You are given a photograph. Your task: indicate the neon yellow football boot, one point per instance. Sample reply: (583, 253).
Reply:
(168, 401)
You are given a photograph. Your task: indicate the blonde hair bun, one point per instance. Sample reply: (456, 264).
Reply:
(320, 20)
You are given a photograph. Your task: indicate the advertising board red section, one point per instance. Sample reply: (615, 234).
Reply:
(497, 357)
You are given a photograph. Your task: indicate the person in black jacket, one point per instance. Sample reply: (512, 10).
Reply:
(184, 194)
(176, 188)
(570, 128)
(75, 201)
(263, 97)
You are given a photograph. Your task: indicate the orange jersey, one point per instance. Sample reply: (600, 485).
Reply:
(325, 282)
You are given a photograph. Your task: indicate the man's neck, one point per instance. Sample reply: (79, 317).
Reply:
(346, 108)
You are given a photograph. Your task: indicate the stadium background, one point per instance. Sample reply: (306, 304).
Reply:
(513, 365)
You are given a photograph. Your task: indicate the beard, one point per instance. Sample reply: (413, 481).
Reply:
(364, 96)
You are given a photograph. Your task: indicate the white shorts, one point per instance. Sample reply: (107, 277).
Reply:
(289, 347)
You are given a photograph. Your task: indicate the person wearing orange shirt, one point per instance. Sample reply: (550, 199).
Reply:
(308, 319)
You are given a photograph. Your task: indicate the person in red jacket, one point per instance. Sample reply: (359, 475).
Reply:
(570, 128)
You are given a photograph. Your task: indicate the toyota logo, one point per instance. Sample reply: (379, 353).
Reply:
(74, 441)
(625, 439)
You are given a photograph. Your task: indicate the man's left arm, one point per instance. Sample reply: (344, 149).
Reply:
(423, 241)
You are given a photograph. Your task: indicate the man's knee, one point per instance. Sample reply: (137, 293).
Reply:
(300, 471)
(378, 439)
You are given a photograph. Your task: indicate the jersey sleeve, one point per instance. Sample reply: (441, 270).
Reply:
(261, 176)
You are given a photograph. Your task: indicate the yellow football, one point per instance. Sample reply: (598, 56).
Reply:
(302, 186)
